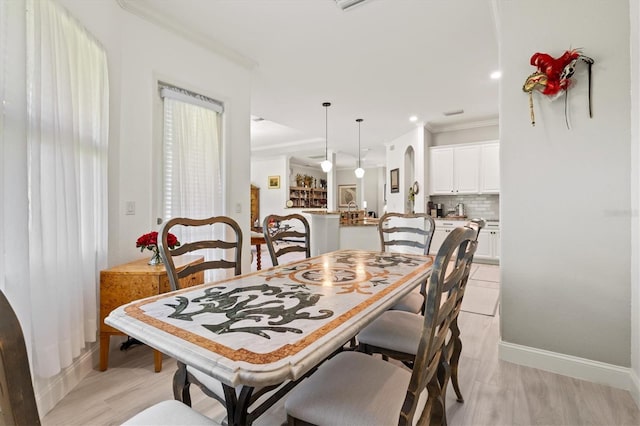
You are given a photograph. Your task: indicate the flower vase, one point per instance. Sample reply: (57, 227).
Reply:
(155, 259)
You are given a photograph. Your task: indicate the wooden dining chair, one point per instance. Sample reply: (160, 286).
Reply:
(224, 236)
(17, 398)
(286, 234)
(407, 233)
(218, 237)
(396, 334)
(356, 388)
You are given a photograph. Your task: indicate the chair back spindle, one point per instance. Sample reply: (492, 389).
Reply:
(406, 233)
(286, 234)
(223, 234)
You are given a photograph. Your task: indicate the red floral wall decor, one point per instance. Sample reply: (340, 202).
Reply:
(553, 77)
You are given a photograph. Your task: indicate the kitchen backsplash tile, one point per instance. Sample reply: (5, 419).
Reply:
(486, 206)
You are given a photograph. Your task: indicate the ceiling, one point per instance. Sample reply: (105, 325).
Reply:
(382, 61)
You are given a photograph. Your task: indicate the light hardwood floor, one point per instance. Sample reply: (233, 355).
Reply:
(496, 392)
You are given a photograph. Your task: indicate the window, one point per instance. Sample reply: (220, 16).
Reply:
(192, 184)
(191, 160)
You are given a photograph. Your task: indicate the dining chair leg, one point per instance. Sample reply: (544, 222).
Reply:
(455, 358)
(443, 375)
(181, 385)
(457, 348)
(435, 402)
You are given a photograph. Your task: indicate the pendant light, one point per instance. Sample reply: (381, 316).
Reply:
(359, 171)
(326, 164)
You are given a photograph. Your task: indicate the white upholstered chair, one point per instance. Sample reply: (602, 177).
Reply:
(169, 413)
(356, 388)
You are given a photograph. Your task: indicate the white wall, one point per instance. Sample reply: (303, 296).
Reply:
(635, 199)
(138, 54)
(272, 201)
(477, 133)
(396, 149)
(372, 189)
(149, 54)
(565, 196)
(347, 177)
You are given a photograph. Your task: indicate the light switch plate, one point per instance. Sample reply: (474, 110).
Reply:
(130, 208)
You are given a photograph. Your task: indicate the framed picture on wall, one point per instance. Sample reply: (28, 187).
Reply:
(395, 180)
(346, 194)
(274, 182)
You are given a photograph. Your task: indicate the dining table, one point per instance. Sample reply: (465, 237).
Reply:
(270, 329)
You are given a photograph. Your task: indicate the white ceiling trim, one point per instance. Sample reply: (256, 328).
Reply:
(439, 128)
(144, 10)
(294, 144)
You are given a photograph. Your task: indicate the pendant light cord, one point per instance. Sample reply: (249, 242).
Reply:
(326, 133)
(359, 121)
(326, 106)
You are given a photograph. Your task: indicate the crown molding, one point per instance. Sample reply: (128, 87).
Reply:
(144, 9)
(466, 125)
(292, 144)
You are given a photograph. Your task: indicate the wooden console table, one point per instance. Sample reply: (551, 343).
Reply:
(132, 281)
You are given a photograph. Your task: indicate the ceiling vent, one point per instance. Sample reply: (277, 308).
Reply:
(454, 112)
(348, 4)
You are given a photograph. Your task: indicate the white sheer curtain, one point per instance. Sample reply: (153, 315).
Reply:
(192, 167)
(66, 121)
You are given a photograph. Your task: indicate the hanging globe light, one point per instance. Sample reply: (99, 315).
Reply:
(359, 171)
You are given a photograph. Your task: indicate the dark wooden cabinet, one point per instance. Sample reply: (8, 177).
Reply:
(255, 206)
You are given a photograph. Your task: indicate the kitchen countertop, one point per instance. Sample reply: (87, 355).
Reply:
(464, 218)
(362, 222)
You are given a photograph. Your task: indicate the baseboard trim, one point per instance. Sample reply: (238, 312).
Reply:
(635, 388)
(51, 391)
(567, 365)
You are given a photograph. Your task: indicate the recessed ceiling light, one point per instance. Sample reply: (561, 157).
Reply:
(496, 75)
(413, 119)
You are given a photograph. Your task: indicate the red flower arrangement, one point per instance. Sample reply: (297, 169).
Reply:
(150, 242)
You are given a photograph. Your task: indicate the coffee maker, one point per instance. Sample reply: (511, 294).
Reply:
(439, 210)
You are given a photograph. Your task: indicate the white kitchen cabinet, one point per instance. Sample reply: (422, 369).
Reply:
(466, 165)
(489, 243)
(488, 250)
(490, 168)
(441, 170)
(443, 228)
(465, 169)
(484, 245)
(454, 170)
